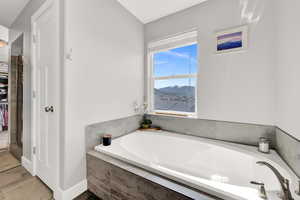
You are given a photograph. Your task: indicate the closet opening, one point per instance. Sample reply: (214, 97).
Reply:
(16, 98)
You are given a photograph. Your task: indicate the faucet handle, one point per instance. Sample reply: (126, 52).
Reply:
(262, 190)
(257, 183)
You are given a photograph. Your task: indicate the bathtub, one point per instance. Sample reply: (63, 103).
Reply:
(217, 168)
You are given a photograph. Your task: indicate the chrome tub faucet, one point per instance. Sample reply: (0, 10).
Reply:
(284, 183)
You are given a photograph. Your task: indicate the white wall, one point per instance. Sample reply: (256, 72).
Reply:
(4, 50)
(237, 87)
(22, 24)
(288, 85)
(105, 76)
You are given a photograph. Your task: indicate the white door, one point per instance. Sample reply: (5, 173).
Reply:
(46, 89)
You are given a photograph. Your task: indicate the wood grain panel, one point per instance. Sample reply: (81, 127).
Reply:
(110, 182)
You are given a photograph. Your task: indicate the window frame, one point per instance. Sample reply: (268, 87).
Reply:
(152, 78)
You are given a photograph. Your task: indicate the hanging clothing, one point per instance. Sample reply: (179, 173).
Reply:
(4, 116)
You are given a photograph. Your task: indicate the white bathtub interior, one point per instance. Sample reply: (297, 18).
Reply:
(221, 168)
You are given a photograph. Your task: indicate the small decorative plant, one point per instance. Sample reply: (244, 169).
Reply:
(146, 123)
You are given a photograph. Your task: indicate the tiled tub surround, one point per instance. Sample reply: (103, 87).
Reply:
(116, 128)
(288, 148)
(110, 178)
(206, 165)
(240, 133)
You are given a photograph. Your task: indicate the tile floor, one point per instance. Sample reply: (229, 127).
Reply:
(17, 184)
(7, 161)
(3, 139)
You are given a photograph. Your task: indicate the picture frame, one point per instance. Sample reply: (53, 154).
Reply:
(232, 40)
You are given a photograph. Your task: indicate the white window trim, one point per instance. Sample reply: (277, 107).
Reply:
(151, 78)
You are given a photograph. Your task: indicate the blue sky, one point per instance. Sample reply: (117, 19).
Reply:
(177, 61)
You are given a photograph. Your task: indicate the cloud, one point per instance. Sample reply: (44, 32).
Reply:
(180, 55)
(176, 54)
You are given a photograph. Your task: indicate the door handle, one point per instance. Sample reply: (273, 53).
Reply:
(49, 109)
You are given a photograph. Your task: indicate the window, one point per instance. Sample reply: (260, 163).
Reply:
(173, 75)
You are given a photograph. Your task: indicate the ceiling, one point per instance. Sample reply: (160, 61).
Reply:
(145, 10)
(150, 10)
(9, 10)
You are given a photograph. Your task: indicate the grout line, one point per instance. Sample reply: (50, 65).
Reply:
(1, 172)
(214, 120)
(3, 150)
(285, 132)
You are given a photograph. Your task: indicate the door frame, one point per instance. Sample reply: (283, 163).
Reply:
(34, 77)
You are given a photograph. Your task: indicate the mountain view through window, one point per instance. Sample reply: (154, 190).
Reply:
(175, 79)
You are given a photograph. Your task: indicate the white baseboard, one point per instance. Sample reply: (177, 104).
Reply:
(27, 164)
(59, 194)
(72, 192)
